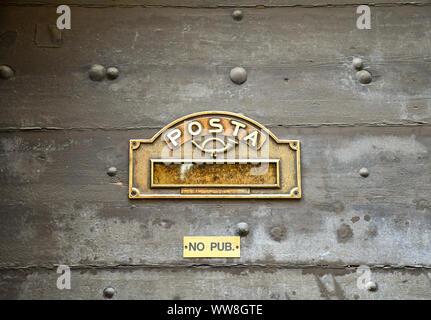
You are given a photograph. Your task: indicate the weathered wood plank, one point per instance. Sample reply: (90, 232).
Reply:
(176, 61)
(217, 283)
(58, 205)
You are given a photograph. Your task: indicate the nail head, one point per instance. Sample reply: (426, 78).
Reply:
(237, 15)
(364, 172)
(112, 73)
(112, 171)
(109, 292)
(371, 286)
(358, 63)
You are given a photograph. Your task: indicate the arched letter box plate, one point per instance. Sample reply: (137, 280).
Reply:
(214, 154)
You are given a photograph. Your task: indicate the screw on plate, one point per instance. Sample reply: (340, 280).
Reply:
(112, 73)
(363, 76)
(371, 286)
(109, 292)
(358, 63)
(112, 171)
(242, 229)
(6, 72)
(97, 72)
(237, 15)
(364, 172)
(238, 75)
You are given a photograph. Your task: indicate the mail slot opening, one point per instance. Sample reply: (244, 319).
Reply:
(240, 173)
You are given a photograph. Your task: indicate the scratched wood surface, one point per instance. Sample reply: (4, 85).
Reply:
(60, 132)
(177, 61)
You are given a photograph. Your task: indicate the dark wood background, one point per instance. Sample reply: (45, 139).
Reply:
(61, 131)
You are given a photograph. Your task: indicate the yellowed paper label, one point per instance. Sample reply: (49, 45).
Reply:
(212, 247)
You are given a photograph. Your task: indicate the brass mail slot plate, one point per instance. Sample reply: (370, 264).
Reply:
(214, 173)
(212, 247)
(214, 154)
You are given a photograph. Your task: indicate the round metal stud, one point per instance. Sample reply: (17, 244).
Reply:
(371, 286)
(364, 172)
(6, 72)
(363, 76)
(109, 292)
(238, 75)
(237, 15)
(97, 72)
(357, 63)
(112, 73)
(112, 171)
(242, 229)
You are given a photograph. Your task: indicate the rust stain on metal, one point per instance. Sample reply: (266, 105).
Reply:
(214, 154)
(213, 174)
